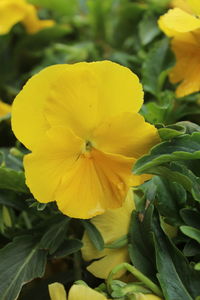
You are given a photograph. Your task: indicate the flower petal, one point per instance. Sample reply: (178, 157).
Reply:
(186, 70)
(113, 224)
(195, 5)
(102, 267)
(127, 134)
(89, 93)
(177, 21)
(182, 4)
(11, 12)
(28, 121)
(57, 291)
(31, 21)
(47, 164)
(96, 182)
(82, 292)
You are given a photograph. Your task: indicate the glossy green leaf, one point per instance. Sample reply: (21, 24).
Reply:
(177, 278)
(191, 232)
(185, 147)
(13, 180)
(55, 235)
(20, 262)
(140, 243)
(94, 234)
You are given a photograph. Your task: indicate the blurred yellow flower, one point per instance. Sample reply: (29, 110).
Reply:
(14, 11)
(81, 123)
(77, 292)
(113, 225)
(184, 28)
(4, 109)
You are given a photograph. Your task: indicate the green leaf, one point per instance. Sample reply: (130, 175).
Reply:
(171, 131)
(193, 233)
(94, 234)
(170, 198)
(13, 180)
(184, 147)
(154, 65)
(148, 28)
(62, 6)
(68, 247)
(55, 235)
(20, 262)
(140, 245)
(191, 217)
(11, 199)
(177, 278)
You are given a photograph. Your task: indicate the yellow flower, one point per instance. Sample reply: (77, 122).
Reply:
(77, 292)
(113, 225)
(184, 28)
(14, 11)
(81, 123)
(4, 109)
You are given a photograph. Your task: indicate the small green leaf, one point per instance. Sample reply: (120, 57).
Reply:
(191, 217)
(13, 180)
(55, 235)
(154, 65)
(140, 244)
(148, 28)
(184, 147)
(94, 234)
(68, 247)
(193, 233)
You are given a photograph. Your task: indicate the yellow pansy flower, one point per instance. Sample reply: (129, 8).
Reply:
(113, 225)
(184, 28)
(4, 109)
(15, 11)
(77, 292)
(81, 123)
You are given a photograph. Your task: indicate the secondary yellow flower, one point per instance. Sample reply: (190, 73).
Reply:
(4, 109)
(77, 292)
(15, 11)
(113, 225)
(81, 123)
(184, 28)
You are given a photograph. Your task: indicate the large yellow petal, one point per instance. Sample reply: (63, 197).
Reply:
(11, 12)
(28, 121)
(97, 182)
(102, 267)
(195, 6)
(89, 93)
(182, 4)
(31, 21)
(127, 134)
(45, 167)
(113, 224)
(177, 21)
(57, 291)
(186, 70)
(82, 292)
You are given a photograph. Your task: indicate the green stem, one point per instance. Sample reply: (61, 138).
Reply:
(151, 285)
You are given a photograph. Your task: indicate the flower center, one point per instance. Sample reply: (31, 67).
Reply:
(88, 146)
